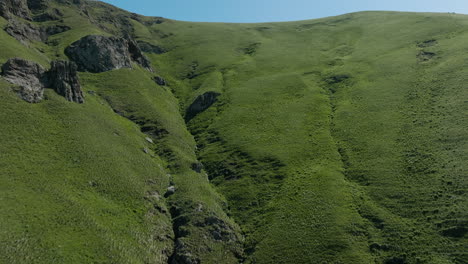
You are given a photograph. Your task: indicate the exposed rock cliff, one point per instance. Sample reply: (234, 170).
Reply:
(14, 7)
(35, 5)
(63, 78)
(137, 55)
(96, 54)
(31, 79)
(29, 76)
(25, 32)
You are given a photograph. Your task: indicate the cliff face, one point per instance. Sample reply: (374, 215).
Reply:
(63, 78)
(99, 54)
(29, 76)
(19, 8)
(32, 79)
(148, 140)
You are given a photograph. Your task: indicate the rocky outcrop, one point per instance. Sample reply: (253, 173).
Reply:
(17, 11)
(215, 230)
(197, 167)
(160, 81)
(96, 54)
(201, 103)
(57, 29)
(31, 79)
(29, 76)
(36, 5)
(137, 56)
(219, 229)
(50, 15)
(26, 32)
(63, 78)
(99, 53)
(150, 48)
(10, 8)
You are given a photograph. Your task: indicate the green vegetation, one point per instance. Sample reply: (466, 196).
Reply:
(59, 203)
(337, 140)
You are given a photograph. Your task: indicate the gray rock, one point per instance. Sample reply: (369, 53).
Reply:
(137, 56)
(160, 81)
(29, 76)
(10, 8)
(50, 15)
(153, 195)
(197, 167)
(57, 29)
(219, 229)
(170, 191)
(99, 53)
(182, 254)
(37, 5)
(32, 79)
(150, 48)
(199, 208)
(63, 78)
(200, 104)
(149, 140)
(96, 54)
(25, 32)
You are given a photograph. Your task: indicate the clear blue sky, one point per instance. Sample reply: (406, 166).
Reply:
(277, 10)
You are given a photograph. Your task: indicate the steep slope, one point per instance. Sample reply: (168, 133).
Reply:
(110, 180)
(331, 139)
(338, 140)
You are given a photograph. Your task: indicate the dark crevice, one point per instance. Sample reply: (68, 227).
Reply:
(156, 133)
(184, 215)
(200, 104)
(251, 49)
(178, 223)
(427, 43)
(234, 165)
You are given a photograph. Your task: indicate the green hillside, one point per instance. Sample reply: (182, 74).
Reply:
(336, 140)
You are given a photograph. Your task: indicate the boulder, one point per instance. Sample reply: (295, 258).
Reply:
(160, 81)
(197, 167)
(96, 54)
(28, 76)
(201, 103)
(63, 78)
(170, 191)
(99, 53)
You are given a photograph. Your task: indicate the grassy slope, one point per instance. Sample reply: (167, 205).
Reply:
(369, 169)
(77, 184)
(60, 204)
